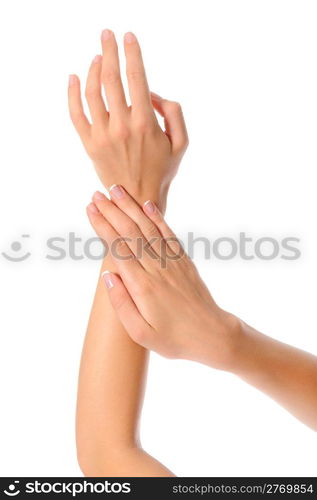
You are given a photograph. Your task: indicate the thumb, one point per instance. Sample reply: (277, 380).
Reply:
(133, 322)
(174, 121)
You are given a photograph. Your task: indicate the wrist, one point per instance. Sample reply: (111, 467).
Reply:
(138, 187)
(231, 330)
(217, 341)
(143, 194)
(246, 350)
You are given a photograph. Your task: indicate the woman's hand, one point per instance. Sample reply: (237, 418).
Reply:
(159, 297)
(126, 143)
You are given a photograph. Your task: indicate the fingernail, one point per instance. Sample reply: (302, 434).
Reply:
(97, 59)
(72, 80)
(105, 35)
(156, 97)
(107, 277)
(92, 208)
(149, 207)
(99, 196)
(129, 37)
(116, 191)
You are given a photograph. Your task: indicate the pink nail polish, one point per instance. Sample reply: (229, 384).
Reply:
(97, 59)
(92, 208)
(72, 80)
(116, 191)
(105, 35)
(107, 277)
(129, 37)
(99, 196)
(149, 207)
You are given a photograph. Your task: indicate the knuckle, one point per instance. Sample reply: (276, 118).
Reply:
(121, 132)
(95, 149)
(182, 145)
(151, 230)
(142, 288)
(93, 152)
(158, 220)
(91, 92)
(100, 139)
(139, 335)
(110, 75)
(130, 229)
(135, 75)
(76, 115)
(174, 106)
(142, 124)
(185, 142)
(177, 106)
(120, 246)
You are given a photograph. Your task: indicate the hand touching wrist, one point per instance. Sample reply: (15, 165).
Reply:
(158, 294)
(164, 306)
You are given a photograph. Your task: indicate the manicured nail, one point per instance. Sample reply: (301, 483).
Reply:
(99, 196)
(149, 207)
(116, 191)
(72, 80)
(105, 35)
(156, 97)
(129, 37)
(107, 277)
(92, 208)
(97, 59)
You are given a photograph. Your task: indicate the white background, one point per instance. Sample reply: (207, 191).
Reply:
(245, 73)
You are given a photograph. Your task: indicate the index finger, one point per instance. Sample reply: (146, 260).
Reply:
(129, 267)
(138, 86)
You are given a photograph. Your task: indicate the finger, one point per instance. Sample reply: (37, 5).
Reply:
(156, 217)
(130, 317)
(128, 266)
(76, 110)
(174, 121)
(130, 207)
(93, 94)
(137, 82)
(110, 74)
(127, 229)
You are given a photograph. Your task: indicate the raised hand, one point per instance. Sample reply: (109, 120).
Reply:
(126, 143)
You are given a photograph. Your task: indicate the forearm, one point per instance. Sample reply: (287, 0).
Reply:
(110, 395)
(111, 382)
(286, 374)
(126, 144)
(195, 327)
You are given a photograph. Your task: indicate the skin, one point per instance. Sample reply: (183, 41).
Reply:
(124, 142)
(126, 145)
(195, 328)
